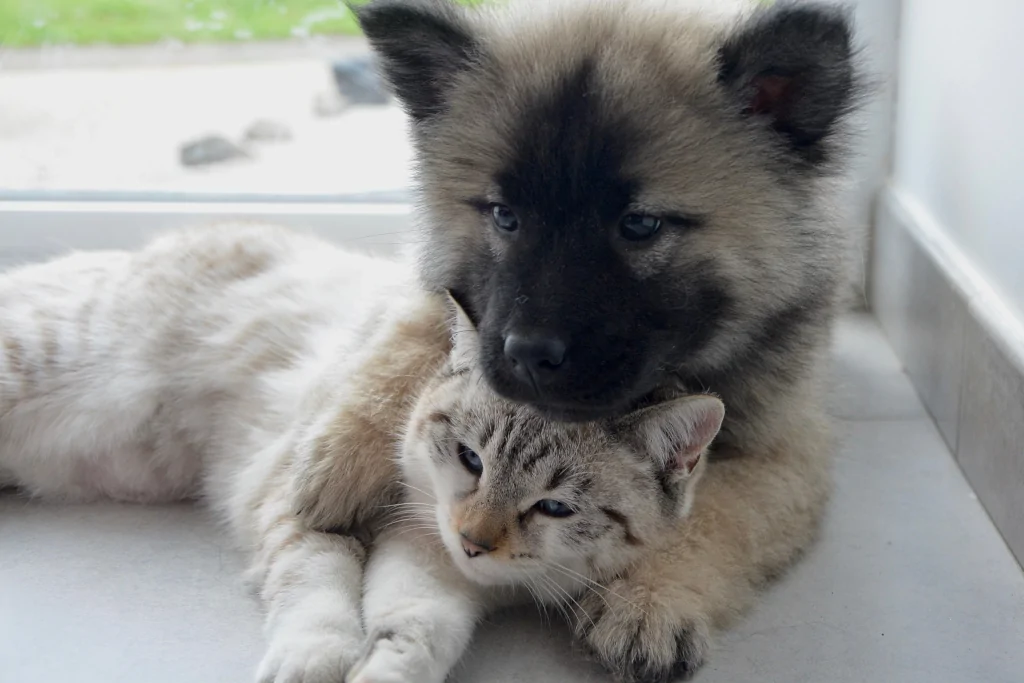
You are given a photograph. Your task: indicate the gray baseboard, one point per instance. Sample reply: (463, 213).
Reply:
(963, 350)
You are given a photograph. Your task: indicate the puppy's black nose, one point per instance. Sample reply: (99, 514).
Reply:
(534, 353)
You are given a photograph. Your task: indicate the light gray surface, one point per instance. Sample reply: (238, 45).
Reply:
(910, 583)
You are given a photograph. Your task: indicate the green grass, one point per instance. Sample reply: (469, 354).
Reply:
(25, 23)
(29, 23)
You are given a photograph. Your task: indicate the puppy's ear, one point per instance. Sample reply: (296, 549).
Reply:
(422, 45)
(675, 435)
(465, 351)
(792, 66)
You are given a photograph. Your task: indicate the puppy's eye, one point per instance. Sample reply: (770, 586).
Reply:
(470, 460)
(637, 227)
(554, 508)
(504, 218)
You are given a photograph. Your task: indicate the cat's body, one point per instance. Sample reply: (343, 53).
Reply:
(116, 363)
(222, 363)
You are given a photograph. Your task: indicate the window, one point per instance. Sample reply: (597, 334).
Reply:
(118, 117)
(121, 117)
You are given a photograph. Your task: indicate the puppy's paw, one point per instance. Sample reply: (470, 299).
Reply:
(308, 658)
(640, 637)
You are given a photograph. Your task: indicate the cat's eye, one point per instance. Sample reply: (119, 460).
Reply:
(470, 460)
(504, 218)
(554, 508)
(637, 227)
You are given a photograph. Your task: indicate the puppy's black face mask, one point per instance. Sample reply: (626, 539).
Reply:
(534, 179)
(615, 336)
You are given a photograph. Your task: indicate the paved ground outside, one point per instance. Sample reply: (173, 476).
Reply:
(114, 119)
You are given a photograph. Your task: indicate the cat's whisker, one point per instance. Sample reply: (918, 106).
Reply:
(429, 495)
(595, 586)
(574, 603)
(420, 527)
(583, 578)
(536, 590)
(412, 513)
(402, 526)
(554, 597)
(409, 520)
(567, 608)
(529, 585)
(411, 503)
(417, 533)
(413, 510)
(576, 575)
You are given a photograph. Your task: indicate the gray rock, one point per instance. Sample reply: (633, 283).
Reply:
(357, 81)
(329, 104)
(266, 130)
(211, 149)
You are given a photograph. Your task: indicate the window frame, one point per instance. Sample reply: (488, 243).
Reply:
(35, 228)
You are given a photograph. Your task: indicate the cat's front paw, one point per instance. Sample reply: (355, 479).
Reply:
(390, 658)
(308, 658)
(642, 637)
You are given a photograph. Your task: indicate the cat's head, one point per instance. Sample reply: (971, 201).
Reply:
(515, 496)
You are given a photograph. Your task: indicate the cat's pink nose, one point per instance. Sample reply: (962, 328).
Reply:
(474, 548)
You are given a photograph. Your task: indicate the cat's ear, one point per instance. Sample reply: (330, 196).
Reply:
(465, 339)
(423, 45)
(676, 434)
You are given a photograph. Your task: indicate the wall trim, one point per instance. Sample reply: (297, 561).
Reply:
(962, 346)
(1000, 319)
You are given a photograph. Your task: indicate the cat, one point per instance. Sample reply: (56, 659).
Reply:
(509, 499)
(210, 363)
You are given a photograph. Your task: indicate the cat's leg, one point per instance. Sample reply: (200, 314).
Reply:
(311, 586)
(752, 516)
(345, 469)
(420, 612)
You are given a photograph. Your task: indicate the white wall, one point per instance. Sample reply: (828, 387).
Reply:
(959, 134)
(877, 28)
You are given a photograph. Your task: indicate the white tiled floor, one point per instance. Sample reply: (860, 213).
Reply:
(910, 583)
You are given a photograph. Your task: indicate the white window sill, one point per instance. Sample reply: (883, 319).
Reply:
(31, 229)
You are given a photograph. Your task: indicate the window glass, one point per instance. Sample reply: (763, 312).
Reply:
(265, 97)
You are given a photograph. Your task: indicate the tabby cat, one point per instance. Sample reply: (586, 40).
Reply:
(221, 363)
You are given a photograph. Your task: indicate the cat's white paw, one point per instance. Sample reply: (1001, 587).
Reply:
(308, 658)
(390, 659)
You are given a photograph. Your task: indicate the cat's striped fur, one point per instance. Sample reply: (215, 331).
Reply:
(242, 364)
